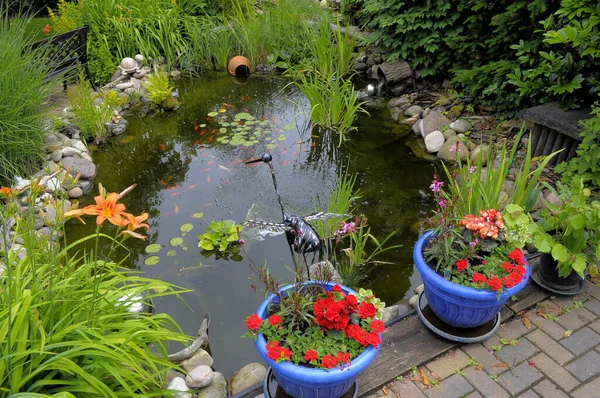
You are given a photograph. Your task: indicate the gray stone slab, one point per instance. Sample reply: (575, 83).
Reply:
(595, 326)
(585, 367)
(581, 341)
(519, 378)
(513, 355)
(447, 364)
(529, 394)
(576, 319)
(588, 390)
(406, 389)
(483, 382)
(491, 364)
(593, 306)
(550, 346)
(548, 390)
(552, 116)
(554, 372)
(454, 386)
(514, 329)
(551, 328)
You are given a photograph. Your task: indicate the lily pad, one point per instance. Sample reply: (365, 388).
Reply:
(244, 116)
(281, 137)
(289, 127)
(270, 146)
(171, 253)
(225, 124)
(198, 215)
(177, 241)
(212, 114)
(202, 125)
(152, 260)
(186, 227)
(153, 248)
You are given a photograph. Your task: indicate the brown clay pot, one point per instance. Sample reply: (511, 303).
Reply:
(239, 66)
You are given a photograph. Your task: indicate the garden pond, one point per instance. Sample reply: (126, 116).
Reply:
(189, 169)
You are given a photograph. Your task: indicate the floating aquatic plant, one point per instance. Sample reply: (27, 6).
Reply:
(221, 236)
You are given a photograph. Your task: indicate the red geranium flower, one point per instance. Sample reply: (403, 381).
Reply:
(520, 269)
(274, 320)
(336, 288)
(366, 310)
(311, 355)
(517, 256)
(278, 353)
(506, 266)
(377, 326)
(329, 361)
(352, 302)
(253, 322)
(479, 278)
(494, 283)
(373, 339)
(462, 264)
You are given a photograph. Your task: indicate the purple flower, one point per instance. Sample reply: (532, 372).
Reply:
(241, 241)
(472, 169)
(453, 148)
(346, 228)
(443, 203)
(436, 185)
(474, 243)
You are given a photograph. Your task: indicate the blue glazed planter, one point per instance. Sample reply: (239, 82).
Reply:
(303, 382)
(457, 305)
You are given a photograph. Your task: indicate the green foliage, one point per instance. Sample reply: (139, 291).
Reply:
(220, 235)
(22, 92)
(587, 162)
(90, 118)
(158, 87)
(65, 328)
(570, 231)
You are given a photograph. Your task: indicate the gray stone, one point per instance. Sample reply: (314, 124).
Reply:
(38, 222)
(325, 271)
(410, 120)
(553, 199)
(78, 166)
(75, 193)
(178, 384)
(413, 301)
(396, 113)
(432, 122)
(389, 313)
(374, 72)
(434, 141)
(53, 184)
(2, 269)
(171, 374)
(78, 144)
(415, 127)
(44, 232)
(116, 128)
(98, 101)
(49, 214)
(519, 378)
(419, 288)
(461, 126)
(201, 357)
(413, 110)
(548, 390)
(426, 112)
(449, 133)
(514, 354)
(454, 386)
(359, 66)
(56, 156)
(70, 151)
(86, 156)
(581, 341)
(200, 377)
(123, 86)
(216, 389)
(480, 151)
(585, 367)
(452, 150)
(248, 376)
(398, 102)
(175, 73)
(508, 186)
(85, 185)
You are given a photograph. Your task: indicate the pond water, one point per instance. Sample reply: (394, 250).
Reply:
(182, 167)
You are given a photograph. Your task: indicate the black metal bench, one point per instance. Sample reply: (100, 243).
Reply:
(66, 53)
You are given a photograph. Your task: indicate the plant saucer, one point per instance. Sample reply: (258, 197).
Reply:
(271, 388)
(461, 335)
(537, 278)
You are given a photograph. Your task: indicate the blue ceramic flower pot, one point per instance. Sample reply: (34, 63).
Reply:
(303, 382)
(457, 305)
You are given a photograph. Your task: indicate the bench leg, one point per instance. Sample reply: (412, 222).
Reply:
(89, 76)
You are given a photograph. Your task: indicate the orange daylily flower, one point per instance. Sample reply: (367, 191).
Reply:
(135, 222)
(6, 191)
(106, 209)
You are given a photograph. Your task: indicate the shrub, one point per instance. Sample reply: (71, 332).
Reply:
(158, 87)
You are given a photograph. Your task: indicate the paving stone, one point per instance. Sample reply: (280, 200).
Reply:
(519, 378)
(475, 394)
(554, 372)
(551, 328)
(492, 342)
(568, 302)
(454, 386)
(593, 305)
(529, 394)
(513, 355)
(491, 364)
(550, 347)
(595, 326)
(513, 329)
(588, 389)
(586, 367)
(592, 289)
(581, 341)
(406, 389)
(446, 365)
(487, 386)
(576, 319)
(548, 390)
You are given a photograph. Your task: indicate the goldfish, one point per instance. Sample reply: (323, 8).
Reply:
(163, 182)
(162, 147)
(196, 127)
(208, 179)
(223, 167)
(191, 187)
(205, 170)
(176, 210)
(210, 162)
(174, 194)
(46, 29)
(236, 162)
(210, 139)
(172, 188)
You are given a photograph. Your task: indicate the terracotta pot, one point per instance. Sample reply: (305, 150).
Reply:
(239, 66)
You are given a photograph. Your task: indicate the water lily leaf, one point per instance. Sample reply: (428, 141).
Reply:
(127, 139)
(153, 248)
(202, 125)
(226, 141)
(206, 244)
(212, 114)
(171, 253)
(225, 124)
(222, 130)
(281, 137)
(186, 227)
(289, 127)
(247, 143)
(152, 260)
(244, 116)
(270, 146)
(177, 241)
(198, 215)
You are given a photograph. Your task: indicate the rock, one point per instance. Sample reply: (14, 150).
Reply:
(175, 73)
(415, 127)
(419, 288)
(553, 199)
(512, 124)
(38, 222)
(359, 66)
(502, 199)
(56, 156)
(480, 151)
(508, 186)
(410, 121)
(426, 112)
(374, 71)
(539, 203)
(75, 193)
(140, 74)
(434, 141)
(216, 389)
(123, 86)
(98, 101)
(80, 166)
(200, 377)
(461, 126)
(53, 184)
(325, 271)
(417, 146)
(449, 133)
(389, 313)
(248, 376)
(178, 384)
(116, 128)
(201, 357)
(78, 144)
(72, 131)
(398, 89)
(432, 122)
(49, 215)
(414, 110)
(171, 374)
(371, 60)
(397, 102)
(413, 301)
(2, 269)
(86, 156)
(396, 112)
(452, 150)
(70, 151)
(85, 185)
(44, 232)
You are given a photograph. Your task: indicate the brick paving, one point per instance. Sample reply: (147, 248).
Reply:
(553, 352)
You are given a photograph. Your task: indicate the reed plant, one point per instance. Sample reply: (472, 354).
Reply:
(22, 91)
(66, 328)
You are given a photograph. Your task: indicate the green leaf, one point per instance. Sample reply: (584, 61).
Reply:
(206, 245)
(171, 253)
(213, 114)
(153, 248)
(560, 253)
(198, 215)
(177, 241)
(152, 260)
(186, 227)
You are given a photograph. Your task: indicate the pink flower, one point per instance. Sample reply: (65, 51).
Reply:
(346, 229)
(436, 185)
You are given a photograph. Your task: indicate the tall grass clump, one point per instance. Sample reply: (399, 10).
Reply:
(65, 327)
(22, 91)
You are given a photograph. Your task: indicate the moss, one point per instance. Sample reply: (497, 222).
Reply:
(170, 103)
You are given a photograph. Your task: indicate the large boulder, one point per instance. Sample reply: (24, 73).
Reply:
(452, 150)
(248, 376)
(461, 126)
(481, 151)
(80, 166)
(434, 141)
(432, 122)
